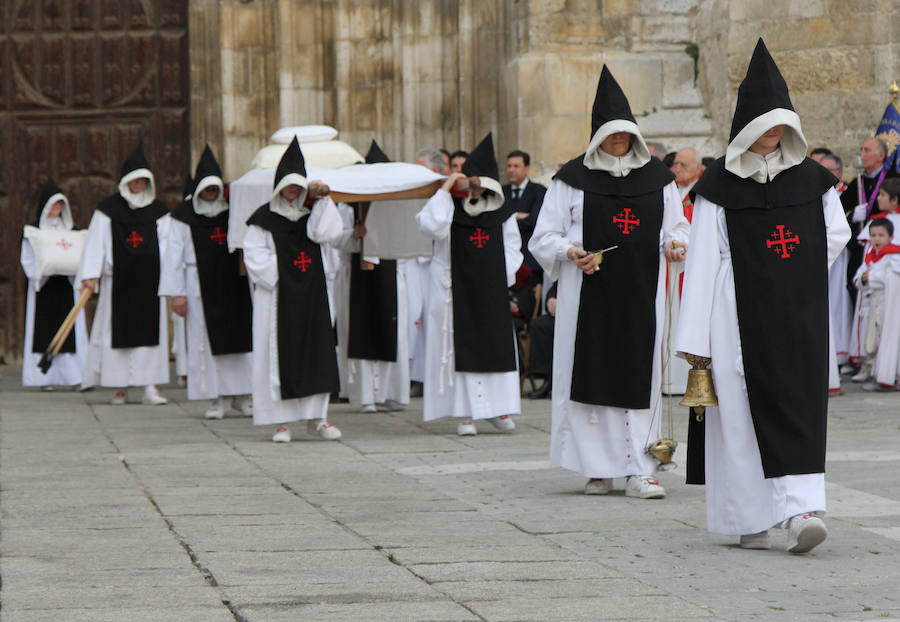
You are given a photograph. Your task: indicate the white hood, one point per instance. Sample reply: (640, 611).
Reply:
(597, 159)
(791, 152)
(209, 208)
(293, 211)
(145, 198)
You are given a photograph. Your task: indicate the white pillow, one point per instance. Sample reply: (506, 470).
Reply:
(328, 154)
(304, 133)
(55, 251)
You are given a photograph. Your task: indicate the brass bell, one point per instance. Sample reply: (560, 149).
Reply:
(700, 391)
(663, 450)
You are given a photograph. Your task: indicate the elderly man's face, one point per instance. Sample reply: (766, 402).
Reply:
(872, 156)
(686, 166)
(617, 144)
(832, 166)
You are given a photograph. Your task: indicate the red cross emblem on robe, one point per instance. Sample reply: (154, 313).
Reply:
(134, 240)
(783, 241)
(302, 261)
(626, 221)
(479, 237)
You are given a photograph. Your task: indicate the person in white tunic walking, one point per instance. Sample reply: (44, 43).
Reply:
(129, 343)
(295, 368)
(207, 289)
(767, 223)
(471, 370)
(608, 346)
(49, 301)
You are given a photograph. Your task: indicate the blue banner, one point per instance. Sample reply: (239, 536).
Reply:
(889, 132)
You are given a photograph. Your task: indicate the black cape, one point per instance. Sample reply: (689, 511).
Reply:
(51, 306)
(777, 236)
(616, 331)
(483, 338)
(135, 278)
(373, 311)
(307, 360)
(224, 291)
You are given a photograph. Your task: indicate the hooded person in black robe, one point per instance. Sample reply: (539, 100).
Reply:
(608, 338)
(767, 223)
(49, 301)
(207, 288)
(377, 338)
(471, 370)
(126, 241)
(295, 367)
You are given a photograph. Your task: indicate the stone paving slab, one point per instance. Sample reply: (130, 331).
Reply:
(153, 513)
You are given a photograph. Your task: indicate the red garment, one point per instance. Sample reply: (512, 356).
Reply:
(889, 249)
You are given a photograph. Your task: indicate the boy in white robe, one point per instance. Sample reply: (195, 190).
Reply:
(129, 339)
(470, 363)
(635, 211)
(767, 222)
(294, 351)
(46, 309)
(875, 321)
(205, 285)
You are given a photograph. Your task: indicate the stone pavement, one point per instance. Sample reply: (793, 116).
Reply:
(143, 513)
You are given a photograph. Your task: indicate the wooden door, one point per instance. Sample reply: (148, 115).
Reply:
(81, 83)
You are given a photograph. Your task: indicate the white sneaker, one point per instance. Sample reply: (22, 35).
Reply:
(874, 386)
(466, 428)
(282, 435)
(643, 487)
(394, 405)
(847, 369)
(598, 487)
(862, 376)
(49, 388)
(323, 429)
(153, 397)
(121, 397)
(805, 532)
(216, 410)
(368, 408)
(504, 423)
(759, 541)
(243, 404)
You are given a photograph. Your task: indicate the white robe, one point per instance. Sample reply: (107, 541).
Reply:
(323, 225)
(841, 306)
(879, 301)
(597, 441)
(739, 499)
(67, 366)
(337, 270)
(119, 367)
(179, 341)
(418, 279)
(208, 376)
(449, 393)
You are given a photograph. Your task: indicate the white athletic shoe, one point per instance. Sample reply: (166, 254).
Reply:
(874, 386)
(368, 408)
(282, 435)
(759, 541)
(862, 376)
(216, 410)
(243, 404)
(121, 397)
(598, 487)
(504, 423)
(49, 388)
(466, 428)
(153, 397)
(805, 532)
(643, 487)
(323, 429)
(847, 369)
(394, 405)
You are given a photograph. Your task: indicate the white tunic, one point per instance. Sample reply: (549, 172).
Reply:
(208, 376)
(323, 225)
(119, 367)
(597, 441)
(841, 306)
(418, 278)
(67, 366)
(739, 499)
(449, 393)
(877, 310)
(337, 270)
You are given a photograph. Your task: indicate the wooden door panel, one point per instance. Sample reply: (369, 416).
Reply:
(82, 82)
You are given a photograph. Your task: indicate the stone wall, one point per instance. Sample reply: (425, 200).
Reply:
(415, 73)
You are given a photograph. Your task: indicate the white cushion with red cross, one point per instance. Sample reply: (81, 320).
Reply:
(55, 251)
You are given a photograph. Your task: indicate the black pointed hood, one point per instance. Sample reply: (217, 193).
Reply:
(291, 162)
(610, 103)
(375, 155)
(762, 90)
(136, 161)
(481, 161)
(208, 166)
(187, 190)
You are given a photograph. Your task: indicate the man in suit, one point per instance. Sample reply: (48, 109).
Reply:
(526, 197)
